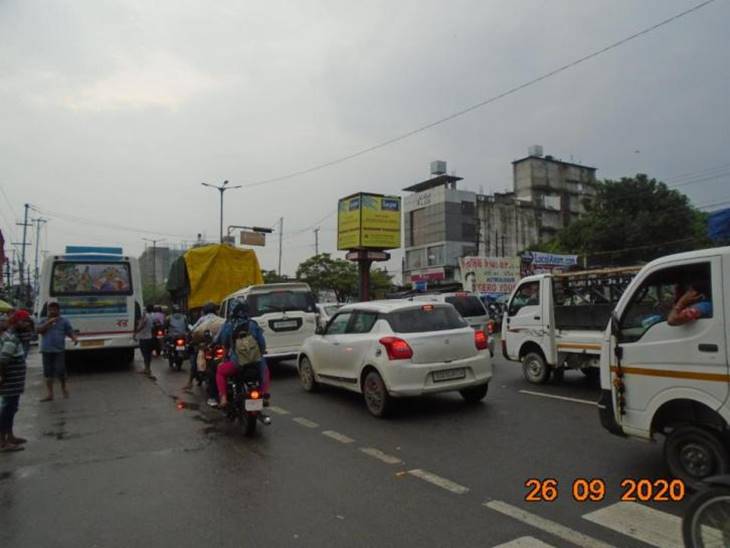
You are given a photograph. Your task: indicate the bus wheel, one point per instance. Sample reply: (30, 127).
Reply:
(693, 453)
(535, 369)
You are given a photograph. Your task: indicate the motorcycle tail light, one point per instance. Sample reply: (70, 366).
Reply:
(219, 352)
(480, 340)
(180, 342)
(254, 395)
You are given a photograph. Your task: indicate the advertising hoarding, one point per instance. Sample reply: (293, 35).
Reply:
(369, 221)
(490, 275)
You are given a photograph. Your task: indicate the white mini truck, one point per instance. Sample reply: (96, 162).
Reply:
(673, 380)
(555, 322)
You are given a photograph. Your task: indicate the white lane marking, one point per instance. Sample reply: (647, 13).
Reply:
(555, 397)
(524, 542)
(278, 410)
(337, 436)
(305, 422)
(378, 454)
(641, 522)
(439, 481)
(560, 531)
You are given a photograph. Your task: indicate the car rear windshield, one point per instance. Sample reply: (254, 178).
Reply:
(467, 305)
(280, 301)
(425, 318)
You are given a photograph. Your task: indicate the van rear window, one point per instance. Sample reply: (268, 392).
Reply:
(467, 305)
(90, 278)
(429, 317)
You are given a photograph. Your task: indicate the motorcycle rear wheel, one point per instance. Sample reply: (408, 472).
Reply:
(707, 519)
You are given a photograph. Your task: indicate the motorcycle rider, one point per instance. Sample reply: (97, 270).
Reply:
(158, 321)
(176, 324)
(209, 312)
(238, 320)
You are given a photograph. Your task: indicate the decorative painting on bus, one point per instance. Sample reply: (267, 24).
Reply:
(76, 278)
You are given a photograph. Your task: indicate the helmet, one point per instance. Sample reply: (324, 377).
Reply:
(209, 308)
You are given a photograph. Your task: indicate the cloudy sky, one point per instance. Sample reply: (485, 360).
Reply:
(113, 112)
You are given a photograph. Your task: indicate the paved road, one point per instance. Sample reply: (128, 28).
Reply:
(119, 464)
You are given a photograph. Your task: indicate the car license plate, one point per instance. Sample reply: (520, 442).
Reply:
(89, 344)
(286, 324)
(449, 375)
(179, 348)
(254, 405)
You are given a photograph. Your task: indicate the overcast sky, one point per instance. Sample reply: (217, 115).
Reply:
(115, 111)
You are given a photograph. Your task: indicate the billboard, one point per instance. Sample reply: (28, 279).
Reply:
(535, 262)
(490, 275)
(369, 221)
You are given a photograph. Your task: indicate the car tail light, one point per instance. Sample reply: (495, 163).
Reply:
(180, 342)
(480, 340)
(397, 349)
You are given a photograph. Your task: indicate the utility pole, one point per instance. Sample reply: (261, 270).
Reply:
(316, 241)
(154, 261)
(25, 243)
(222, 188)
(38, 222)
(281, 237)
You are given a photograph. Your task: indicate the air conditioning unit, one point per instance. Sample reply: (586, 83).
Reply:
(535, 150)
(438, 167)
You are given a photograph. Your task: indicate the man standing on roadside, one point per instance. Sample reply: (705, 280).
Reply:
(53, 347)
(12, 378)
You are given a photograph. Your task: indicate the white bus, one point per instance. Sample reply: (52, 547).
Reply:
(99, 291)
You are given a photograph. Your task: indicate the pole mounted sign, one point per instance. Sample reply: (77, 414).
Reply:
(367, 225)
(369, 221)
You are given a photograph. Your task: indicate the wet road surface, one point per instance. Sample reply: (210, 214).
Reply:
(123, 462)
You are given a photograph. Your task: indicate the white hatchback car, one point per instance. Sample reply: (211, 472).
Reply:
(386, 349)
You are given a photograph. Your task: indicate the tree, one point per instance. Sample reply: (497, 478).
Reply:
(633, 220)
(322, 272)
(155, 295)
(273, 277)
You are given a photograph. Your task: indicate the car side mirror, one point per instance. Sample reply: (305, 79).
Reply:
(319, 330)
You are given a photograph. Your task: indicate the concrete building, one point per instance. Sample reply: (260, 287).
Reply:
(443, 223)
(154, 263)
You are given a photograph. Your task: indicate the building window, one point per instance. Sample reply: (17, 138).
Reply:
(467, 208)
(414, 259)
(468, 232)
(435, 255)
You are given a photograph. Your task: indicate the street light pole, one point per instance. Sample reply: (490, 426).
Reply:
(154, 263)
(222, 188)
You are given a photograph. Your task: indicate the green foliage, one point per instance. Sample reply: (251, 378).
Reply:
(633, 220)
(272, 277)
(156, 295)
(322, 272)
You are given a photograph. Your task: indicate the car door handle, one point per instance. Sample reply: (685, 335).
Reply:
(708, 348)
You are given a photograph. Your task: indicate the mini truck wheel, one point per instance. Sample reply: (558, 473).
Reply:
(306, 375)
(693, 453)
(535, 369)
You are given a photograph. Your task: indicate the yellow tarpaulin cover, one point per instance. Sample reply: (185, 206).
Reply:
(215, 271)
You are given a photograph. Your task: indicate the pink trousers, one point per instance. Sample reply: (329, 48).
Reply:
(228, 369)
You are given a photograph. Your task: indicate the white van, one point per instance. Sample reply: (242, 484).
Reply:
(469, 305)
(555, 322)
(673, 380)
(286, 312)
(99, 291)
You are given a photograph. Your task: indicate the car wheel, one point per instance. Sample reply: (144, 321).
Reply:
(535, 369)
(306, 375)
(376, 396)
(475, 394)
(693, 453)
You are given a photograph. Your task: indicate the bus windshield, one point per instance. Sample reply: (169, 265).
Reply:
(91, 278)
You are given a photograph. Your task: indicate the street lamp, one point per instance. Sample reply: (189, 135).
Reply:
(222, 188)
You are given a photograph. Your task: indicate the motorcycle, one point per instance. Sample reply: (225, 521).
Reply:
(158, 333)
(246, 399)
(706, 521)
(176, 348)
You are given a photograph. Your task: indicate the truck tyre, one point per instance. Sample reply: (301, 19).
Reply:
(558, 374)
(693, 453)
(534, 368)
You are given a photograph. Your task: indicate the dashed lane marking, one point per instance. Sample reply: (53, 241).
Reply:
(556, 397)
(524, 542)
(641, 522)
(439, 481)
(278, 410)
(560, 531)
(305, 422)
(378, 454)
(337, 436)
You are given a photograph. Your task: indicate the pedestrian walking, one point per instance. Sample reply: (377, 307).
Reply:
(54, 331)
(12, 378)
(143, 332)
